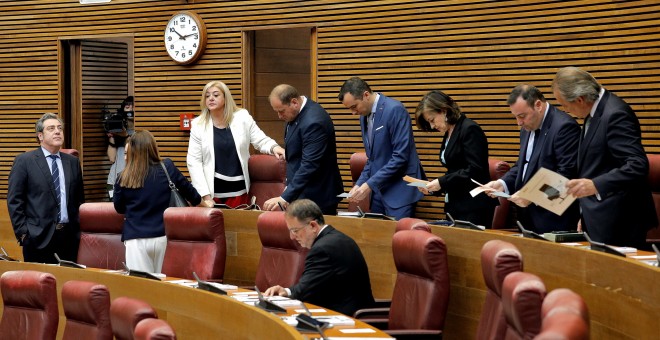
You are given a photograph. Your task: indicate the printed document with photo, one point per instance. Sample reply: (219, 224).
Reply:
(547, 189)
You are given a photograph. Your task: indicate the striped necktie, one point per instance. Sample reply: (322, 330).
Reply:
(56, 183)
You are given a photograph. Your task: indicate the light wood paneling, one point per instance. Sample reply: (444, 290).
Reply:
(474, 50)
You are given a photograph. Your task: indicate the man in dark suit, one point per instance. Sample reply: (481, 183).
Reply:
(44, 194)
(335, 275)
(388, 141)
(548, 139)
(615, 199)
(312, 170)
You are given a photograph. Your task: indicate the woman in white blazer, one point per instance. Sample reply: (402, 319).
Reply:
(219, 147)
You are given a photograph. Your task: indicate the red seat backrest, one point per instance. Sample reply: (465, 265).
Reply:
(30, 305)
(565, 316)
(356, 163)
(421, 291)
(87, 309)
(282, 259)
(522, 297)
(267, 177)
(498, 259)
(154, 329)
(195, 243)
(653, 235)
(497, 169)
(100, 236)
(126, 313)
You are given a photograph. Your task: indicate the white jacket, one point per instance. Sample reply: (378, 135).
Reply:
(201, 156)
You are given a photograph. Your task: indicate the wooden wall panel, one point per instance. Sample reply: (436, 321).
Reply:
(475, 50)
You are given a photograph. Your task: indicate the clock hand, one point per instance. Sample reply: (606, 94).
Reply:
(179, 34)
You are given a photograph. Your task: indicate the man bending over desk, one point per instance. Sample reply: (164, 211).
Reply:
(335, 275)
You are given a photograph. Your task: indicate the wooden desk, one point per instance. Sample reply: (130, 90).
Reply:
(623, 295)
(193, 313)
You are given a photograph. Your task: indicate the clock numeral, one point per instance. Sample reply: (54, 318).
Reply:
(169, 38)
(183, 18)
(190, 52)
(194, 28)
(195, 45)
(172, 29)
(172, 47)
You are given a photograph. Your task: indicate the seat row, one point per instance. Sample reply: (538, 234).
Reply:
(516, 304)
(31, 311)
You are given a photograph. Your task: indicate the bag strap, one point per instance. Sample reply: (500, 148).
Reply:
(172, 186)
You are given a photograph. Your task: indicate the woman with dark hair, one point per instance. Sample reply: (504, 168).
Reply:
(464, 152)
(142, 193)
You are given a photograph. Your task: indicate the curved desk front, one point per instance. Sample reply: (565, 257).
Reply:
(193, 313)
(623, 295)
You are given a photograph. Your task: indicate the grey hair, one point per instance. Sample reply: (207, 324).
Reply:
(572, 82)
(305, 210)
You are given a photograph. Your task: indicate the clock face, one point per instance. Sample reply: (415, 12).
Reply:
(185, 37)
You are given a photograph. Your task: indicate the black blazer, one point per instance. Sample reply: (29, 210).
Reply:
(335, 275)
(555, 150)
(612, 155)
(466, 158)
(312, 170)
(31, 197)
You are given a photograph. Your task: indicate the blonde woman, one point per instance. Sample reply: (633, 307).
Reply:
(219, 147)
(142, 193)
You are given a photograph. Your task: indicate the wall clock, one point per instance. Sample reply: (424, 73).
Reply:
(185, 37)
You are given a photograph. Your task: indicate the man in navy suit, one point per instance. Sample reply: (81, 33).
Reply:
(615, 199)
(548, 139)
(336, 275)
(388, 140)
(312, 170)
(44, 193)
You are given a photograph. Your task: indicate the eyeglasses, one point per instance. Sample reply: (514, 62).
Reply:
(295, 231)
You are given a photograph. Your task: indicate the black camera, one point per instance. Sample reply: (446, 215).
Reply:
(115, 122)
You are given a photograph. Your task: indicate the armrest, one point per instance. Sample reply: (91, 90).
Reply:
(368, 313)
(416, 334)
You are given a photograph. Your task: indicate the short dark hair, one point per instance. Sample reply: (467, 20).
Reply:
(355, 86)
(529, 94)
(305, 210)
(437, 101)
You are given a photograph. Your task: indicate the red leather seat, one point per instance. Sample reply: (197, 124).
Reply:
(356, 163)
(565, 316)
(154, 329)
(195, 243)
(29, 305)
(411, 223)
(421, 291)
(72, 152)
(267, 177)
(87, 309)
(497, 169)
(522, 297)
(282, 259)
(126, 313)
(498, 259)
(653, 235)
(100, 236)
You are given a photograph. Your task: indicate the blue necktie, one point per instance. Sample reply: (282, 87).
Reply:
(370, 128)
(56, 183)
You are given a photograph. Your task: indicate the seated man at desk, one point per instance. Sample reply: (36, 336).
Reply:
(335, 275)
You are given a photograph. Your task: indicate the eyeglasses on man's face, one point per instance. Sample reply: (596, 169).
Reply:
(295, 231)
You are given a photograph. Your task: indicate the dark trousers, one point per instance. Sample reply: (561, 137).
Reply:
(64, 242)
